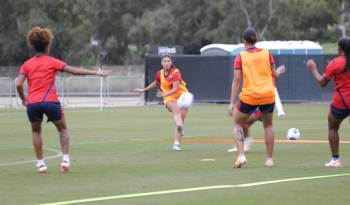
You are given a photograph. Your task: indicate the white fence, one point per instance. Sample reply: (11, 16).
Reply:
(7, 89)
(89, 91)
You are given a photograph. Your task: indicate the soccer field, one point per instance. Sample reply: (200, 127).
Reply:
(124, 156)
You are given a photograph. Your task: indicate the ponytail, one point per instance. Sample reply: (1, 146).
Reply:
(344, 44)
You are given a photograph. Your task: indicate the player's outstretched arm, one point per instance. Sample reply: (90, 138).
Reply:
(82, 71)
(319, 78)
(149, 87)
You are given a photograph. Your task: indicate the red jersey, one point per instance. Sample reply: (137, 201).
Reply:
(238, 60)
(335, 71)
(40, 72)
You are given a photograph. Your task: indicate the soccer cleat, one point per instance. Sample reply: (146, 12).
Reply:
(269, 162)
(176, 147)
(64, 167)
(42, 169)
(334, 163)
(248, 141)
(240, 161)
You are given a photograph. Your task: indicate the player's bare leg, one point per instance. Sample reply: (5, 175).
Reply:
(248, 141)
(183, 114)
(269, 137)
(239, 120)
(38, 147)
(333, 139)
(64, 140)
(172, 106)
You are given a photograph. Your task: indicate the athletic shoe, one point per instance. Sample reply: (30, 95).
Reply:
(248, 141)
(180, 130)
(42, 169)
(269, 162)
(334, 163)
(64, 167)
(240, 161)
(177, 147)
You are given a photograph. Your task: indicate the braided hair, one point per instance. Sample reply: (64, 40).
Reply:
(344, 45)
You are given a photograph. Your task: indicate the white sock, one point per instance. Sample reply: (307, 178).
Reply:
(241, 155)
(65, 158)
(176, 143)
(40, 162)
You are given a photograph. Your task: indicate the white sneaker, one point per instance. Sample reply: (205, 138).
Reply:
(240, 161)
(269, 162)
(333, 163)
(177, 147)
(64, 167)
(248, 141)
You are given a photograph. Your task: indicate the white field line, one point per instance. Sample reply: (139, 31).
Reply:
(173, 191)
(58, 154)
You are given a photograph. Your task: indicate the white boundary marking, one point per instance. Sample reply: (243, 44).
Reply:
(172, 191)
(58, 154)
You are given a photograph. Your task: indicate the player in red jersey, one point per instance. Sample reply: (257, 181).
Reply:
(337, 70)
(40, 72)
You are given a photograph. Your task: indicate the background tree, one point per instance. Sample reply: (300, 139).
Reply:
(125, 30)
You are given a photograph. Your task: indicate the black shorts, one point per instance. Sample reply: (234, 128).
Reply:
(249, 109)
(339, 113)
(52, 110)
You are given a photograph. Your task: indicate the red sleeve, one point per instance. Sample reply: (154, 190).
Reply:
(158, 76)
(59, 65)
(272, 60)
(237, 65)
(177, 76)
(23, 71)
(330, 70)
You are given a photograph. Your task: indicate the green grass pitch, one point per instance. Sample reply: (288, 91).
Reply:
(120, 151)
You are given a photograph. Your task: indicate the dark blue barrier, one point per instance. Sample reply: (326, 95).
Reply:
(209, 78)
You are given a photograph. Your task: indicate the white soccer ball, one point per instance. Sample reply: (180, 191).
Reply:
(185, 100)
(293, 134)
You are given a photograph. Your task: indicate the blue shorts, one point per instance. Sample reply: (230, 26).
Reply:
(52, 110)
(339, 113)
(249, 109)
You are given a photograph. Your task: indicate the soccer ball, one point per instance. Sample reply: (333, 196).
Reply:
(293, 134)
(185, 100)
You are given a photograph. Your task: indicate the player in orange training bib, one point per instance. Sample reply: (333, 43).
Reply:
(256, 67)
(171, 87)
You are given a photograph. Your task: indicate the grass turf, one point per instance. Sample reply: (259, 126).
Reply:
(128, 150)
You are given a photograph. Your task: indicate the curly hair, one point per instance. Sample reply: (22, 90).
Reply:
(39, 39)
